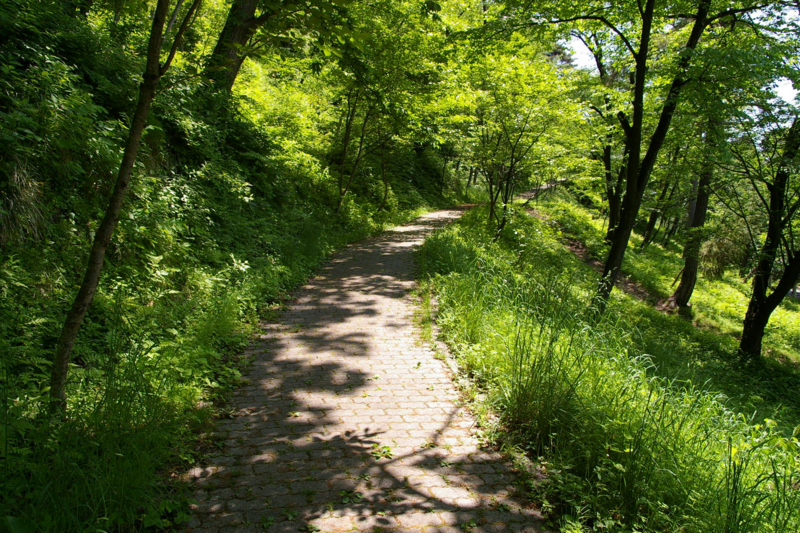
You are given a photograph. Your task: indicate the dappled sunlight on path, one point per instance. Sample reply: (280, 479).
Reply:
(348, 422)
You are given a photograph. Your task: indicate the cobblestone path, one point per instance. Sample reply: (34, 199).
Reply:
(349, 423)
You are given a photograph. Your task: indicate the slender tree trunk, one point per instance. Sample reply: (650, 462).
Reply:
(174, 16)
(352, 107)
(385, 189)
(691, 250)
(492, 197)
(359, 157)
(507, 195)
(663, 221)
(649, 230)
(383, 178)
(639, 170)
(745, 262)
(691, 205)
(613, 192)
(673, 229)
(654, 215)
(636, 177)
(102, 238)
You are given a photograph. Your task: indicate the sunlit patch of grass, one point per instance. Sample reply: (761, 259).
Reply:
(624, 414)
(717, 305)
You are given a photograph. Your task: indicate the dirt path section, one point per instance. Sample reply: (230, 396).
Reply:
(579, 250)
(348, 422)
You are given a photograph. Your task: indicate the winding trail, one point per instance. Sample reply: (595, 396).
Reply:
(349, 423)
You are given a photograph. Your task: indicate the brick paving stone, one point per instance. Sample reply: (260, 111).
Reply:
(346, 421)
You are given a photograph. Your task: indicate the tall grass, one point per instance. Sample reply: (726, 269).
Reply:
(623, 449)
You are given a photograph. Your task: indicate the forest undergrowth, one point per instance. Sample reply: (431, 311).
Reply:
(626, 414)
(212, 154)
(700, 347)
(233, 205)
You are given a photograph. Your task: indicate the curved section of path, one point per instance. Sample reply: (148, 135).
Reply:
(349, 423)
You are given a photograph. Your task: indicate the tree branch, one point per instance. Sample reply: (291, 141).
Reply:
(607, 23)
(181, 30)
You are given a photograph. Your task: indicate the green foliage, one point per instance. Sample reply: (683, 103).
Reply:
(720, 299)
(622, 445)
(230, 208)
(238, 196)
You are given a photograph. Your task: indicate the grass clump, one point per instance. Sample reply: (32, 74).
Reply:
(623, 447)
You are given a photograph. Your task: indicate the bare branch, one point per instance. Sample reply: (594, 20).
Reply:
(607, 23)
(174, 16)
(181, 30)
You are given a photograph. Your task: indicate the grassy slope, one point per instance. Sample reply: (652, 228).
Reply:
(702, 350)
(225, 216)
(628, 441)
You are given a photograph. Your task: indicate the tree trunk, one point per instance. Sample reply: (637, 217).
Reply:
(359, 156)
(613, 192)
(385, 192)
(383, 178)
(506, 196)
(674, 224)
(691, 250)
(754, 326)
(639, 170)
(227, 58)
(649, 231)
(493, 194)
(762, 305)
(619, 242)
(697, 213)
(102, 238)
(691, 205)
(352, 107)
(174, 16)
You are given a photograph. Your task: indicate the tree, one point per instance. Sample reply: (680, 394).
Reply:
(510, 122)
(604, 100)
(355, 100)
(153, 72)
(505, 102)
(254, 24)
(696, 220)
(767, 157)
(647, 32)
(641, 158)
(383, 82)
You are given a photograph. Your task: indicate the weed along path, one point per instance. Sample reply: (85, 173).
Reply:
(349, 423)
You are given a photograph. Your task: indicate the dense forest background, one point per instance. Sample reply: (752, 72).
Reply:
(170, 171)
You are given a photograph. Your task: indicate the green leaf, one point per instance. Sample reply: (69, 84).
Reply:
(16, 525)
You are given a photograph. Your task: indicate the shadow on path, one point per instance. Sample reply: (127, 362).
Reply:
(347, 422)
